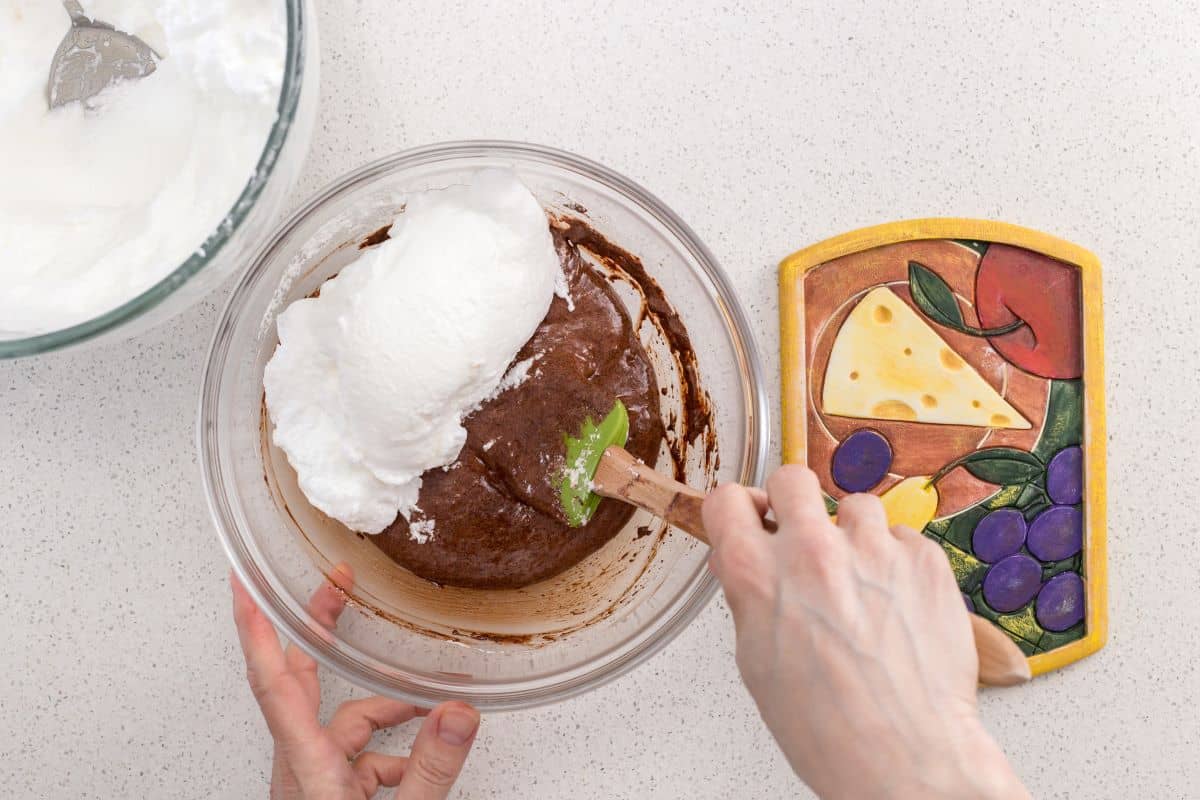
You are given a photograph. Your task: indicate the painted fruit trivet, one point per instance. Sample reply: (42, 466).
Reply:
(955, 368)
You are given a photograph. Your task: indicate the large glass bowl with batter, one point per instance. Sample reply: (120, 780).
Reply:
(227, 247)
(403, 636)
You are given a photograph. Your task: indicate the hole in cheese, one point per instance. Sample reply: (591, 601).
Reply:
(908, 351)
(929, 401)
(883, 315)
(975, 404)
(1000, 420)
(894, 409)
(950, 359)
(853, 376)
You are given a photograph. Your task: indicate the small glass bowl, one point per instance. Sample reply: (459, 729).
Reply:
(227, 248)
(408, 638)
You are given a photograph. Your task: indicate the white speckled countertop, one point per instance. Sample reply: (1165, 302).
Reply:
(767, 126)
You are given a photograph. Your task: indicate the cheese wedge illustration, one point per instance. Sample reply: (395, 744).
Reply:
(888, 363)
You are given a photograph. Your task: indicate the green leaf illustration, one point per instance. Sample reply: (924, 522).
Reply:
(936, 301)
(971, 244)
(933, 296)
(999, 465)
(831, 505)
(1037, 507)
(1030, 493)
(1003, 465)
(962, 526)
(1052, 568)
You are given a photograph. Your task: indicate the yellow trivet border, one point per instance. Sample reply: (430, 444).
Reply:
(791, 322)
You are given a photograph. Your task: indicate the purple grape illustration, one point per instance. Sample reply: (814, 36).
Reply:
(861, 461)
(1011, 583)
(1056, 533)
(1064, 476)
(970, 603)
(1060, 602)
(998, 535)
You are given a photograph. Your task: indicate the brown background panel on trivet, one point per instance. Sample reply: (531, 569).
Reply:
(919, 449)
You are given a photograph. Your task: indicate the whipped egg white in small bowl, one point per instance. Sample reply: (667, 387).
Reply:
(121, 211)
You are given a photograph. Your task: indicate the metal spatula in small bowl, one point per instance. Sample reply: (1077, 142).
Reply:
(93, 56)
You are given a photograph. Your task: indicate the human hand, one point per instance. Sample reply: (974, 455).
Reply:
(315, 762)
(855, 643)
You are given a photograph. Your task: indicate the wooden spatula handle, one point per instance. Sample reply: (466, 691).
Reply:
(622, 477)
(1001, 662)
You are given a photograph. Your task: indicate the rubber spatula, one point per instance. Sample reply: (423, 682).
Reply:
(598, 465)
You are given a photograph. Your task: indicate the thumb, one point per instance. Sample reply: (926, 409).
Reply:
(439, 752)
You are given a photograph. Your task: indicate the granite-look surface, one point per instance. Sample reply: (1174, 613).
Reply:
(767, 126)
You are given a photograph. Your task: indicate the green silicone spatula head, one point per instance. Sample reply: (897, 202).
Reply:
(575, 493)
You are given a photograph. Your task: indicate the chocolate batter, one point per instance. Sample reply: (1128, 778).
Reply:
(495, 509)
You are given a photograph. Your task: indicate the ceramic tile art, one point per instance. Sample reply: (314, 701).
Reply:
(954, 368)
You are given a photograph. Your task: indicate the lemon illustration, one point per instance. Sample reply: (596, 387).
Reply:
(911, 502)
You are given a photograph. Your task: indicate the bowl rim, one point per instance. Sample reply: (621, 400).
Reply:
(298, 28)
(293, 620)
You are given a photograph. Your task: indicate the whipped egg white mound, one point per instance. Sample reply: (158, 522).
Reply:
(99, 204)
(373, 377)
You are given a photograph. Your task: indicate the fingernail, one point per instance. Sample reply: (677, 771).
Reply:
(457, 726)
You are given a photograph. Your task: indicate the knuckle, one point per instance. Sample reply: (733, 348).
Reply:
(930, 555)
(861, 507)
(735, 559)
(824, 559)
(812, 519)
(435, 769)
(823, 548)
(756, 591)
(742, 569)
(721, 495)
(717, 501)
(363, 769)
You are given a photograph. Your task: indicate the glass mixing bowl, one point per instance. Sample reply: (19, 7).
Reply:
(257, 208)
(406, 637)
